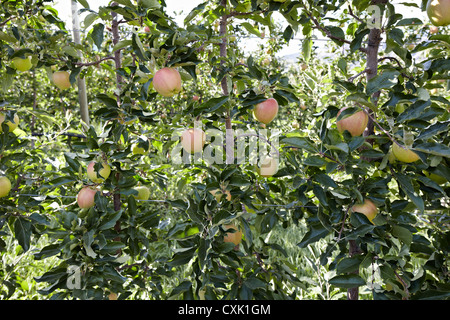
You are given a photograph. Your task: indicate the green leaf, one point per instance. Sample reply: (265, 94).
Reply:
(88, 239)
(299, 142)
(316, 232)
(406, 185)
(402, 234)
(97, 35)
(348, 265)
(122, 44)
(110, 220)
(434, 148)
(347, 281)
(385, 80)
(22, 232)
(414, 111)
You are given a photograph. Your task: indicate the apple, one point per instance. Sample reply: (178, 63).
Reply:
(146, 29)
(61, 79)
(135, 149)
(143, 193)
(167, 81)
(411, 46)
(304, 66)
(266, 111)
(104, 172)
(303, 107)
(265, 62)
(404, 154)
(195, 98)
(22, 64)
(355, 124)
(5, 186)
(235, 237)
(113, 295)
(434, 29)
(193, 140)
(368, 208)
(269, 166)
(217, 193)
(435, 177)
(439, 12)
(85, 197)
(12, 126)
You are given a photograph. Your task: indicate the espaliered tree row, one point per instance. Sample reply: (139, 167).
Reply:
(207, 173)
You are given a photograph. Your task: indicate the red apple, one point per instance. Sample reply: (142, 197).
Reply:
(266, 111)
(85, 197)
(193, 140)
(235, 237)
(355, 124)
(167, 82)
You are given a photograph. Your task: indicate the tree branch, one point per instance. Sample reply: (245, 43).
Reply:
(81, 64)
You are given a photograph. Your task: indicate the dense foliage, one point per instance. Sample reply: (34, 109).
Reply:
(301, 240)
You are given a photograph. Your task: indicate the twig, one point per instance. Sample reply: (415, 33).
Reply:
(360, 73)
(350, 12)
(81, 64)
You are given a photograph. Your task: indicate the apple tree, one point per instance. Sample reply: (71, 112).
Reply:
(373, 206)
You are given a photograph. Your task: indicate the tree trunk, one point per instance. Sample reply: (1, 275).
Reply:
(372, 70)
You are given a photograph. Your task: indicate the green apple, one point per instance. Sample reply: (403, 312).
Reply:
(404, 154)
(12, 126)
(439, 12)
(61, 79)
(104, 172)
(5, 186)
(143, 193)
(22, 64)
(368, 209)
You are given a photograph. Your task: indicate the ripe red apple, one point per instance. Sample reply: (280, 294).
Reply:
(5, 186)
(193, 140)
(304, 66)
(404, 154)
(235, 237)
(355, 124)
(85, 197)
(22, 64)
(368, 208)
(266, 111)
(12, 126)
(104, 172)
(195, 98)
(61, 79)
(439, 12)
(167, 82)
(147, 29)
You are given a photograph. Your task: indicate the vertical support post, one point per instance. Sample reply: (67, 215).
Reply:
(81, 82)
